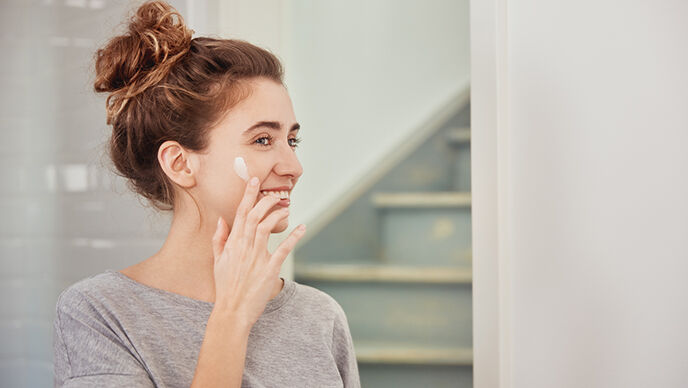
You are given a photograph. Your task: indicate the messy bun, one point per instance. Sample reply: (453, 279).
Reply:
(162, 84)
(131, 63)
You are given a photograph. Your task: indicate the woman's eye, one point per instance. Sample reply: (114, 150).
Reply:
(295, 141)
(264, 137)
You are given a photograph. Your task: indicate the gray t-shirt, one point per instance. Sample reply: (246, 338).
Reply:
(112, 331)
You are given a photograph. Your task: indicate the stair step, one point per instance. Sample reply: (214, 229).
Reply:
(383, 273)
(435, 315)
(422, 199)
(425, 236)
(414, 376)
(458, 136)
(386, 353)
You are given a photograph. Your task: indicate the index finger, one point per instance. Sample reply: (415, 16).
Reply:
(246, 204)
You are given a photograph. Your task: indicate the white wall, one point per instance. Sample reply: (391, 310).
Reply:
(587, 182)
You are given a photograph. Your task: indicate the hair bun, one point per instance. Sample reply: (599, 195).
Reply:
(129, 64)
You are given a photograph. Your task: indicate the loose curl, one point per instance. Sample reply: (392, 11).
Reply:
(165, 85)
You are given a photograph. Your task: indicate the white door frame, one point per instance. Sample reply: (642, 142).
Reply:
(489, 186)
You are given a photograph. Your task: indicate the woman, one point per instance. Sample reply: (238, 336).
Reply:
(209, 308)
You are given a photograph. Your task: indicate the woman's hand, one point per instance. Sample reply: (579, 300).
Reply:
(245, 272)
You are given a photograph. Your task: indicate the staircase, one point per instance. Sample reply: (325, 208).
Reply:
(397, 258)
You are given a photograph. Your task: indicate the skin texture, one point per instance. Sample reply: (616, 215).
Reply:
(208, 183)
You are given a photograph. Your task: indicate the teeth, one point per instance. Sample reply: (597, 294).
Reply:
(280, 194)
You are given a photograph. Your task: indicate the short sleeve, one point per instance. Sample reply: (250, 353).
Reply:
(87, 351)
(343, 350)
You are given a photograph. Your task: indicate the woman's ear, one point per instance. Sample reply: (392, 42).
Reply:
(177, 163)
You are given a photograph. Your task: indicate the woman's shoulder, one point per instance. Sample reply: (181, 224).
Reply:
(318, 301)
(95, 292)
(91, 344)
(91, 287)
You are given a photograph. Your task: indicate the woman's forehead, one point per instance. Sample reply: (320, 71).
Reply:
(268, 105)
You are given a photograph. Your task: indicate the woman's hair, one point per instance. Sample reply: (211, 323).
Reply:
(165, 85)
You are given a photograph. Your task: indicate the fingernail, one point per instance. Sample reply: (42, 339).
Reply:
(219, 221)
(254, 181)
(301, 227)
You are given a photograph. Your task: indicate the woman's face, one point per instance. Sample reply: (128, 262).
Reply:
(268, 150)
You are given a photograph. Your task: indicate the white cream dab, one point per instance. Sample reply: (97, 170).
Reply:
(240, 168)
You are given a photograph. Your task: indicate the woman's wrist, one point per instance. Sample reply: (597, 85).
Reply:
(227, 317)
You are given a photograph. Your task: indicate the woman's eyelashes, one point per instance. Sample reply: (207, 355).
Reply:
(296, 140)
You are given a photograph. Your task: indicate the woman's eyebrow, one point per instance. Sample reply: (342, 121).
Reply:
(274, 125)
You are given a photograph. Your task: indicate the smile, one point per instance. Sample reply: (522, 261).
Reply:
(280, 194)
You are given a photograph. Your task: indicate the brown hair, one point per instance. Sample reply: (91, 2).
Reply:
(164, 85)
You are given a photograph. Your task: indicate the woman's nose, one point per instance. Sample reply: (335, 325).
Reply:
(288, 163)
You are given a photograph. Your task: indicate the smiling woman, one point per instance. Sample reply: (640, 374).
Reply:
(209, 308)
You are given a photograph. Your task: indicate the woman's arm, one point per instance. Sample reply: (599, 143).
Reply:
(343, 350)
(223, 352)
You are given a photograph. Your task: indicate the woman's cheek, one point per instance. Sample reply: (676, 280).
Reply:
(224, 196)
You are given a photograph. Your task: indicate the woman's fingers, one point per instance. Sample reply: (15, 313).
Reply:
(246, 204)
(287, 245)
(244, 276)
(255, 216)
(260, 244)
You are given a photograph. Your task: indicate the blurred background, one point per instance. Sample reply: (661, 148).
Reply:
(381, 90)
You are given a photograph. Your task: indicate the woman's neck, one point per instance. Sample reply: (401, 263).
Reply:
(184, 264)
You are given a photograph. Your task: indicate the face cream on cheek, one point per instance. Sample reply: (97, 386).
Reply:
(240, 168)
